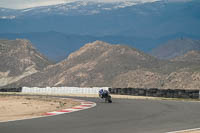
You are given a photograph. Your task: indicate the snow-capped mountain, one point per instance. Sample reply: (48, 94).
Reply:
(143, 25)
(70, 9)
(88, 18)
(77, 8)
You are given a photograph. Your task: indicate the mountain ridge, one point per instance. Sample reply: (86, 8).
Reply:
(175, 48)
(101, 64)
(157, 13)
(46, 42)
(19, 59)
(81, 7)
(95, 64)
(143, 26)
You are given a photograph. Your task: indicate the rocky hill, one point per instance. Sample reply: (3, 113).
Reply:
(95, 64)
(102, 64)
(18, 60)
(175, 48)
(182, 79)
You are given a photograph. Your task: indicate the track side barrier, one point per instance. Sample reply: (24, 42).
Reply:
(151, 92)
(11, 89)
(62, 90)
(155, 92)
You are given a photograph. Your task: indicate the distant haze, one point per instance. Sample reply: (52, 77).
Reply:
(21, 4)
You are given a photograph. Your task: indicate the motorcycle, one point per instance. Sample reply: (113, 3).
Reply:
(106, 96)
(108, 99)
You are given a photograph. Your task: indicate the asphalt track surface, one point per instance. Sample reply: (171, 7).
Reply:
(122, 116)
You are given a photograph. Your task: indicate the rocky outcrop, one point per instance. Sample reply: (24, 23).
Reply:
(182, 80)
(146, 79)
(19, 59)
(138, 79)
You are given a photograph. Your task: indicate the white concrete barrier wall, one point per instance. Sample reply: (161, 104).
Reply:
(62, 90)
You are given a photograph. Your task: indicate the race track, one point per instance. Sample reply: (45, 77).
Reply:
(122, 116)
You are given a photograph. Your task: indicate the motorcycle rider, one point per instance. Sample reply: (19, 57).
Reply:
(103, 93)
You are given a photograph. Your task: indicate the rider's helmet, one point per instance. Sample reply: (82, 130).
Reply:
(100, 91)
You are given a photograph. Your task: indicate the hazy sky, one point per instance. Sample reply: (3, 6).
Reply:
(20, 4)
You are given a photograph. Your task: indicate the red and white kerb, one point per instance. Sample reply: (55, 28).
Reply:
(84, 105)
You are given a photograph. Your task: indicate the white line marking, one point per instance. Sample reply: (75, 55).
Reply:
(187, 130)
